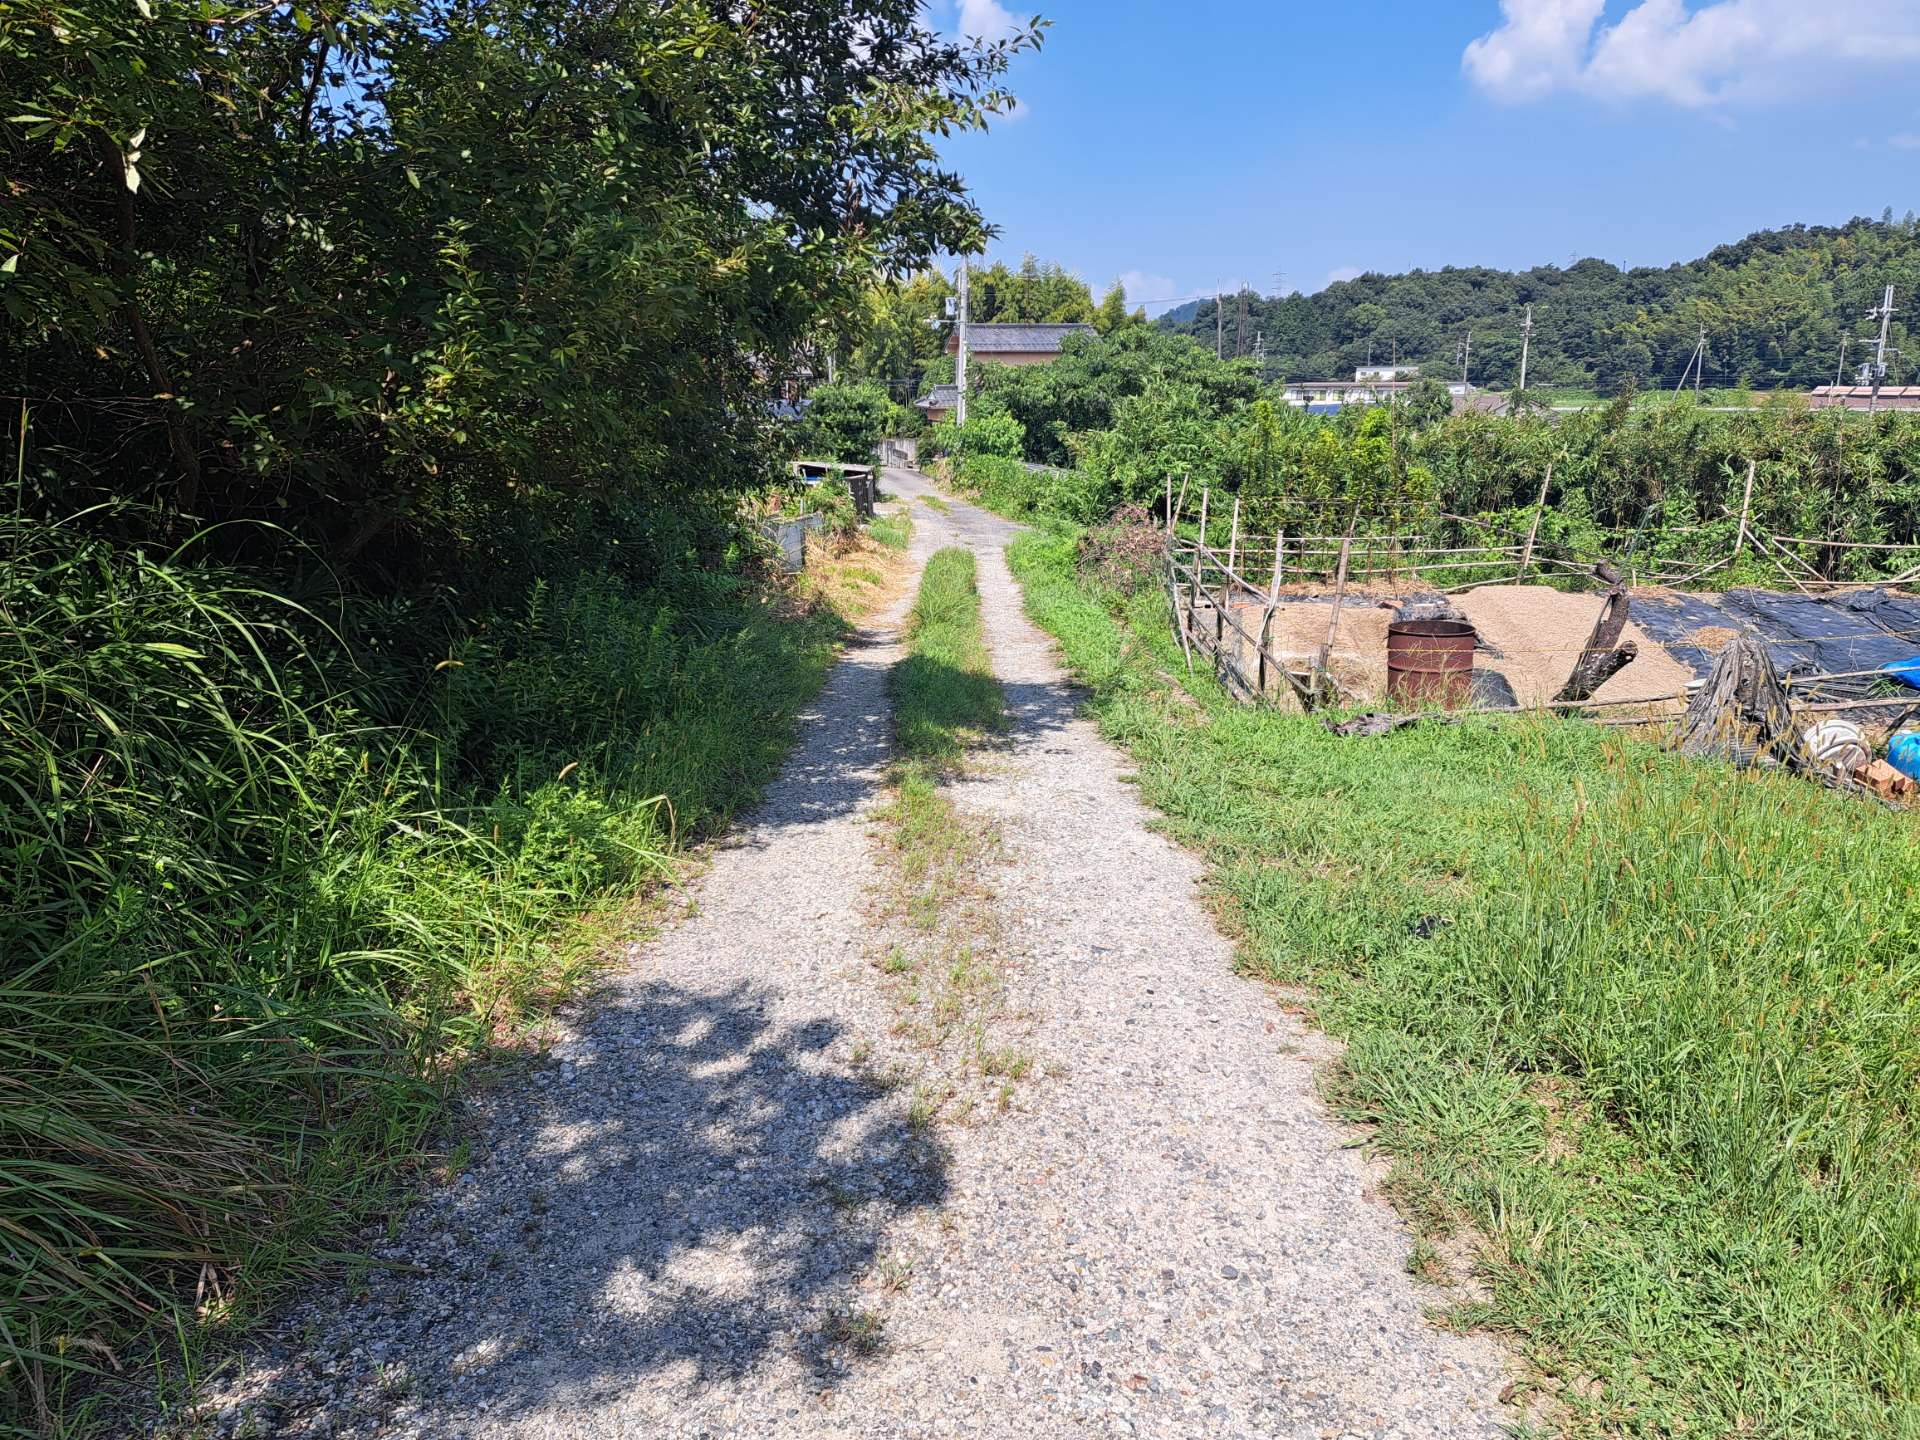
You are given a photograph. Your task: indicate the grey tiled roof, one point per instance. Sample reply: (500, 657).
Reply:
(1021, 339)
(941, 397)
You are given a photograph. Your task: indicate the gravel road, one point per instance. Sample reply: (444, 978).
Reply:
(706, 1214)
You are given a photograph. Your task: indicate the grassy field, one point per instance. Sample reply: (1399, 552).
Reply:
(1641, 1036)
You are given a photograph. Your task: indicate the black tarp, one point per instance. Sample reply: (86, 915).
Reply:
(1804, 634)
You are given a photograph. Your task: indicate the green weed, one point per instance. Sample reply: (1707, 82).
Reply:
(1649, 1028)
(250, 928)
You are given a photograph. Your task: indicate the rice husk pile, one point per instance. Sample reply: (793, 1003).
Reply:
(1530, 634)
(1539, 633)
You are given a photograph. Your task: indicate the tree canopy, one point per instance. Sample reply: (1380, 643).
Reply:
(377, 272)
(1775, 307)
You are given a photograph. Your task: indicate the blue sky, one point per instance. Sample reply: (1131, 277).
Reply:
(1188, 145)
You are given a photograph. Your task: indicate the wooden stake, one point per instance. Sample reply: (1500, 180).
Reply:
(1233, 543)
(1273, 598)
(1169, 502)
(1321, 677)
(1539, 505)
(1746, 503)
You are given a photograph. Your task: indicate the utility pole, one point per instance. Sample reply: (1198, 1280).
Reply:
(960, 353)
(1219, 328)
(1526, 345)
(1885, 316)
(1240, 324)
(1841, 369)
(1696, 362)
(1466, 357)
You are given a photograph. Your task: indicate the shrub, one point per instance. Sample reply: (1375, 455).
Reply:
(847, 423)
(993, 433)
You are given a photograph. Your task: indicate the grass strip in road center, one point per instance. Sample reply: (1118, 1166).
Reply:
(946, 704)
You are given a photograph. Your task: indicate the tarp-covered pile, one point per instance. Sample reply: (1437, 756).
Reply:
(1858, 631)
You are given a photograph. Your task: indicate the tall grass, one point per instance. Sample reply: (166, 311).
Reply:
(246, 928)
(1648, 1030)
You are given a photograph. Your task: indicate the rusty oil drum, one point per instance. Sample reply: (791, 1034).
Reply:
(1430, 662)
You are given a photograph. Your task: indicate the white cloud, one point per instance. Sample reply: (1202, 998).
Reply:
(1904, 142)
(1539, 46)
(1723, 51)
(984, 19)
(1145, 289)
(1341, 272)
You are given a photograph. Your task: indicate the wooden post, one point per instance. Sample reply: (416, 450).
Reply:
(1180, 505)
(1746, 503)
(1321, 678)
(1273, 599)
(1233, 542)
(1199, 559)
(1169, 502)
(1539, 505)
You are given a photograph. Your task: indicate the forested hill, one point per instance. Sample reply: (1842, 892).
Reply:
(1775, 305)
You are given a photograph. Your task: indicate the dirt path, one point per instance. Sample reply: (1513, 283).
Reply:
(707, 1218)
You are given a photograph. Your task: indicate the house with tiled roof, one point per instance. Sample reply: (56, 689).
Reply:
(1009, 344)
(1020, 344)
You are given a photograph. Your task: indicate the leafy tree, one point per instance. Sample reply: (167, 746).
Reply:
(1081, 390)
(433, 275)
(1112, 313)
(1776, 306)
(1035, 293)
(846, 422)
(1428, 402)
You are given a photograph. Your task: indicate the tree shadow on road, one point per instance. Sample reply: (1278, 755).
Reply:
(687, 1193)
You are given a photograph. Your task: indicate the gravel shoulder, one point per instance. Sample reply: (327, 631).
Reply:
(708, 1214)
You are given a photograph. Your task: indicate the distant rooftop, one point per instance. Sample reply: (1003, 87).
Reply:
(1020, 339)
(1859, 397)
(940, 397)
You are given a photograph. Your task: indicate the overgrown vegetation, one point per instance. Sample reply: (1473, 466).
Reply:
(1640, 1034)
(1118, 417)
(389, 395)
(848, 422)
(249, 924)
